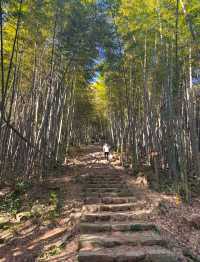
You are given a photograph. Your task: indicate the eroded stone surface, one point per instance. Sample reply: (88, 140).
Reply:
(87, 256)
(147, 238)
(124, 254)
(158, 254)
(94, 228)
(134, 226)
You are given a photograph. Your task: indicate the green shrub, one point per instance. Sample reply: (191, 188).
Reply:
(11, 203)
(22, 186)
(53, 199)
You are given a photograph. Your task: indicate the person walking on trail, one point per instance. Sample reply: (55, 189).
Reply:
(106, 150)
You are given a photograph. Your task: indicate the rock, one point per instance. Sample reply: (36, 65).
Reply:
(163, 208)
(4, 221)
(38, 210)
(63, 241)
(194, 221)
(76, 216)
(23, 216)
(189, 254)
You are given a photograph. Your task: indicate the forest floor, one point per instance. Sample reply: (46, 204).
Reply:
(44, 225)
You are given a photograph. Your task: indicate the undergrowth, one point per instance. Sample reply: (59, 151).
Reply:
(12, 202)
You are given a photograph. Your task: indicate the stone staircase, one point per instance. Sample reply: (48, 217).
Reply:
(110, 229)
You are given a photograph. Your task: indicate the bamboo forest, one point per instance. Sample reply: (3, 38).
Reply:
(100, 130)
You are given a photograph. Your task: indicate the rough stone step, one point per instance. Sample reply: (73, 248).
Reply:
(104, 176)
(104, 181)
(99, 178)
(145, 238)
(109, 200)
(112, 216)
(114, 207)
(106, 190)
(135, 226)
(103, 185)
(106, 194)
(127, 254)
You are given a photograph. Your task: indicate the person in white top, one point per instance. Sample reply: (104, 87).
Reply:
(106, 150)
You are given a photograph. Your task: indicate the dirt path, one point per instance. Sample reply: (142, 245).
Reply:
(105, 215)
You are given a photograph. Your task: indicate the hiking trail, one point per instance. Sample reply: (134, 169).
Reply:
(113, 226)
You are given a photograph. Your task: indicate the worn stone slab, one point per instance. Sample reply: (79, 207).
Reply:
(118, 207)
(91, 195)
(158, 254)
(125, 194)
(134, 256)
(94, 227)
(103, 180)
(96, 256)
(135, 226)
(108, 200)
(105, 190)
(107, 194)
(107, 216)
(146, 238)
(111, 208)
(104, 185)
(92, 200)
(105, 176)
(127, 254)
(118, 200)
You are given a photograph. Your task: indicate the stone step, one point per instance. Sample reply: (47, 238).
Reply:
(114, 207)
(103, 178)
(103, 181)
(103, 185)
(109, 200)
(145, 238)
(106, 190)
(135, 226)
(112, 216)
(106, 194)
(127, 254)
